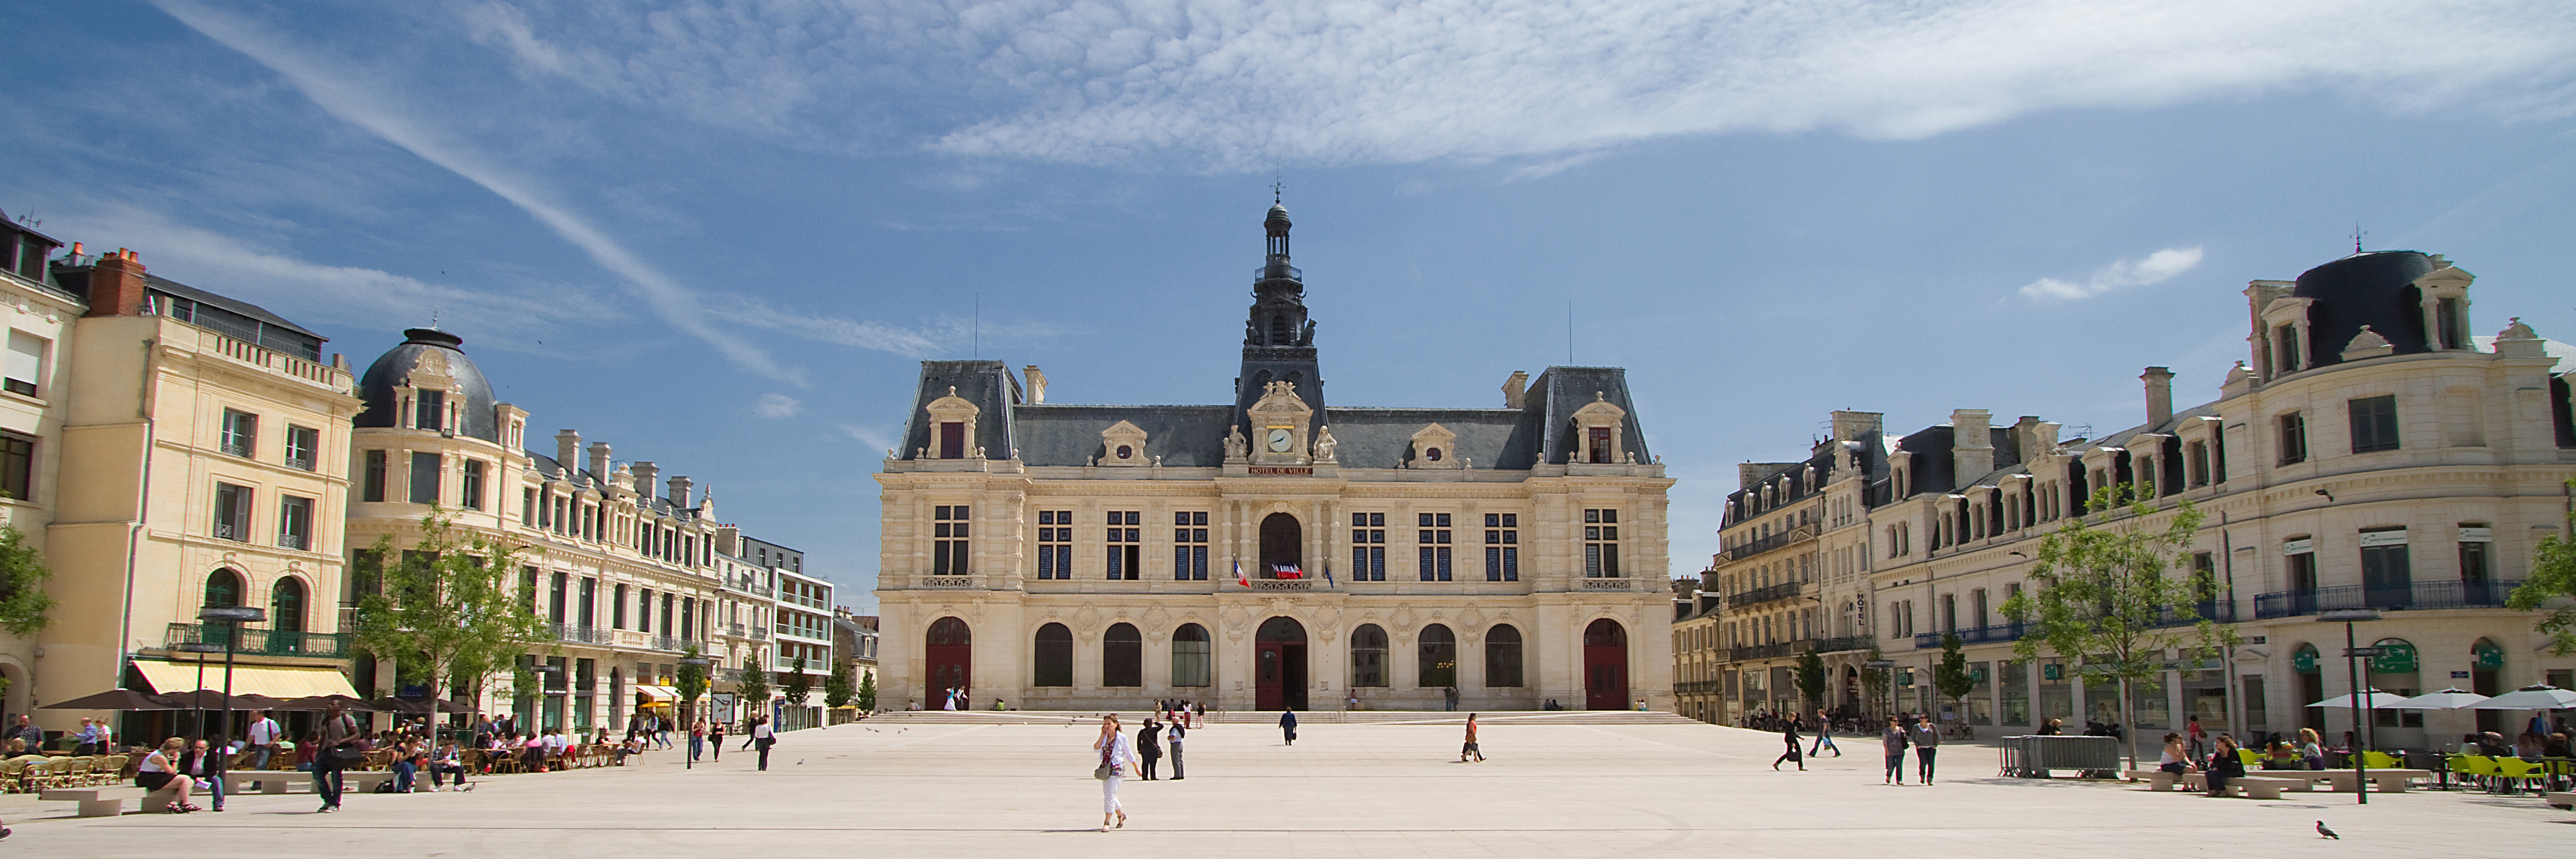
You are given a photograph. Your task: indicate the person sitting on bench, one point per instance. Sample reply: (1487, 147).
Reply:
(161, 770)
(2223, 765)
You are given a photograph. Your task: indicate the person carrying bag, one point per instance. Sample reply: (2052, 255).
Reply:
(338, 751)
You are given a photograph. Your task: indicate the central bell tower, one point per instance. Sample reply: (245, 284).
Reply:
(1278, 339)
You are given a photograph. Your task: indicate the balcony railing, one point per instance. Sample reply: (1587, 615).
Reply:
(294, 541)
(261, 642)
(1758, 596)
(1763, 651)
(580, 634)
(734, 629)
(1697, 687)
(676, 643)
(728, 675)
(1769, 543)
(1848, 642)
(760, 633)
(1973, 635)
(2420, 595)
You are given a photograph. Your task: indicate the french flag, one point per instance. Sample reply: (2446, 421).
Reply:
(1238, 575)
(1286, 571)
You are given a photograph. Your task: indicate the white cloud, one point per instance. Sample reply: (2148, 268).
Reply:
(2156, 268)
(869, 436)
(1233, 84)
(777, 406)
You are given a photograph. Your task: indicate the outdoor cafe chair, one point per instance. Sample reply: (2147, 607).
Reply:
(2479, 767)
(2517, 773)
(114, 766)
(13, 775)
(77, 772)
(2253, 759)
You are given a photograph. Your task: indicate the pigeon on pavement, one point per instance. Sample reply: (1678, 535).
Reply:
(2329, 833)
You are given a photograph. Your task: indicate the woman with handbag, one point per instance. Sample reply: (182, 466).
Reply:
(1117, 755)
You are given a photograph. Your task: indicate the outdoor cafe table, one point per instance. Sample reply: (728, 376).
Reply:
(2349, 781)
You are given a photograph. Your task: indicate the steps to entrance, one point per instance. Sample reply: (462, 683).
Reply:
(1255, 717)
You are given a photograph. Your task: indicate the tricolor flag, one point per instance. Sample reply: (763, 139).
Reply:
(1238, 575)
(1328, 576)
(1286, 571)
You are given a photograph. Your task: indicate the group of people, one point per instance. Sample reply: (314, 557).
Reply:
(1902, 731)
(1177, 711)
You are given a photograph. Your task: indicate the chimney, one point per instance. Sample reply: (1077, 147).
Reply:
(1037, 384)
(2159, 395)
(599, 461)
(2025, 436)
(1851, 426)
(645, 474)
(116, 285)
(680, 492)
(1516, 390)
(568, 450)
(1972, 446)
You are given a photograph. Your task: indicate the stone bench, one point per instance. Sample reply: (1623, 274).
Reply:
(101, 801)
(2349, 781)
(354, 781)
(2253, 787)
(2561, 799)
(2157, 780)
(269, 782)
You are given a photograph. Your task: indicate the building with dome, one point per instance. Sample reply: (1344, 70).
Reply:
(1273, 550)
(2370, 453)
(629, 569)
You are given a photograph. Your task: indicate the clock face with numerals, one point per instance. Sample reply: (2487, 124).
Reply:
(1280, 440)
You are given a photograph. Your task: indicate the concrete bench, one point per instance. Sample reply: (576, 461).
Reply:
(99, 801)
(352, 781)
(2157, 780)
(269, 782)
(2253, 787)
(2384, 781)
(2561, 799)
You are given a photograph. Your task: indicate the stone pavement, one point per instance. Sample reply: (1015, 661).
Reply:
(923, 789)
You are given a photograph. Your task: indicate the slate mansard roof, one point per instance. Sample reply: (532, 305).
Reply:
(1193, 436)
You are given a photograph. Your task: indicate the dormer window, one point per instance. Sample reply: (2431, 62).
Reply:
(429, 410)
(2286, 349)
(952, 422)
(1599, 423)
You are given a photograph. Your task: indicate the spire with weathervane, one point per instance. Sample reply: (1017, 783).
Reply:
(1278, 339)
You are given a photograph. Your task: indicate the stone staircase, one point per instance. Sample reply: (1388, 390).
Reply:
(1370, 717)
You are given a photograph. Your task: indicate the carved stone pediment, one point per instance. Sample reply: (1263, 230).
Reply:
(1123, 444)
(1279, 421)
(1434, 446)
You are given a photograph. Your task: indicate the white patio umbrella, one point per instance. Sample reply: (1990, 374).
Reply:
(2540, 697)
(2371, 700)
(2447, 699)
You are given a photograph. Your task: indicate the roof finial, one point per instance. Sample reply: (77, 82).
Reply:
(433, 317)
(1276, 188)
(2357, 233)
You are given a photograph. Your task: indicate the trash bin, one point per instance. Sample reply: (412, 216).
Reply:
(2034, 756)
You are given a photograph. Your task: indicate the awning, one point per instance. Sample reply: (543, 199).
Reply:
(270, 680)
(656, 694)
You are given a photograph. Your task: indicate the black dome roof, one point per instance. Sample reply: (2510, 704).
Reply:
(393, 368)
(2375, 289)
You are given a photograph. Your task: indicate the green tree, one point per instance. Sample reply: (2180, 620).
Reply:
(23, 601)
(1951, 676)
(1811, 679)
(690, 683)
(1873, 681)
(798, 684)
(2100, 597)
(448, 609)
(867, 691)
(2553, 576)
(754, 689)
(837, 690)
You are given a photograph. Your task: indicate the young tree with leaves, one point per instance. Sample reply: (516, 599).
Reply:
(1811, 680)
(1873, 681)
(754, 690)
(837, 690)
(23, 601)
(691, 682)
(2101, 598)
(447, 611)
(867, 692)
(1951, 676)
(2553, 576)
(798, 684)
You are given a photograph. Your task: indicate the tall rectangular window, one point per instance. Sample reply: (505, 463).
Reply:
(1601, 544)
(588, 613)
(1600, 444)
(429, 411)
(1190, 547)
(670, 602)
(2387, 577)
(232, 512)
(303, 447)
(528, 506)
(1368, 547)
(2199, 463)
(617, 609)
(1055, 544)
(559, 594)
(295, 522)
(2294, 438)
(241, 433)
(372, 483)
(26, 367)
(1126, 545)
(425, 468)
(2476, 541)
(18, 467)
(2374, 423)
(1502, 547)
(1432, 541)
(949, 527)
(952, 440)
(471, 490)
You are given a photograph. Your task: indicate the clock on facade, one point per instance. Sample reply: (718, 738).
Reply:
(1280, 440)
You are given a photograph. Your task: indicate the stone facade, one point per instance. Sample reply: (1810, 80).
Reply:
(1276, 551)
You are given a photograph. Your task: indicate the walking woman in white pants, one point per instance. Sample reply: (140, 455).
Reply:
(1117, 759)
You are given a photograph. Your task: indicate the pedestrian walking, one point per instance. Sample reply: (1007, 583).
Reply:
(1288, 724)
(1892, 740)
(2197, 735)
(716, 732)
(1927, 745)
(1824, 735)
(336, 751)
(1117, 754)
(1149, 747)
(1471, 749)
(698, 740)
(1789, 735)
(764, 737)
(1173, 737)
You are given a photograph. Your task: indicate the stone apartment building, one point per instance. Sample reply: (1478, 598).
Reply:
(41, 317)
(2369, 453)
(1064, 556)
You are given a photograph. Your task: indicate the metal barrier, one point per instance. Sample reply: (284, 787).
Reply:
(2034, 756)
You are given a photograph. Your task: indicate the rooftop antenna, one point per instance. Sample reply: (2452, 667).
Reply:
(433, 317)
(1569, 332)
(979, 324)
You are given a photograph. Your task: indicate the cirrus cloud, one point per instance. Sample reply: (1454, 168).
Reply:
(2155, 268)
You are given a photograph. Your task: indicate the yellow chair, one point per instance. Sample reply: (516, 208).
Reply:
(2253, 759)
(13, 774)
(2516, 771)
(2381, 761)
(2478, 767)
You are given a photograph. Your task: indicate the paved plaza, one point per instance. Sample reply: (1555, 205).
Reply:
(921, 788)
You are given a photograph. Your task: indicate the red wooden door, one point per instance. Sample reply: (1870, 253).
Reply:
(948, 662)
(1605, 666)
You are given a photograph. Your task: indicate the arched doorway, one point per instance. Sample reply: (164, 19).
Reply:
(1054, 663)
(2312, 686)
(223, 590)
(1190, 656)
(1279, 664)
(2486, 669)
(948, 662)
(286, 616)
(1282, 547)
(1605, 666)
(1122, 656)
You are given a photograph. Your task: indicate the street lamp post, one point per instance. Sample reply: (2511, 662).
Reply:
(199, 648)
(2352, 668)
(232, 617)
(699, 662)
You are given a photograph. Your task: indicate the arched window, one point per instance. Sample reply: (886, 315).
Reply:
(1438, 654)
(1503, 656)
(1190, 656)
(286, 605)
(223, 588)
(1282, 545)
(1368, 656)
(1122, 656)
(1054, 666)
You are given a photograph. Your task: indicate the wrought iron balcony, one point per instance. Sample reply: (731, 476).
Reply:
(1848, 642)
(580, 634)
(1697, 687)
(1757, 596)
(1973, 635)
(1763, 651)
(1769, 543)
(2488, 593)
(677, 643)
(261, 642)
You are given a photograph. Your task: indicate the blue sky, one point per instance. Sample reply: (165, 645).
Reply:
(720, 235)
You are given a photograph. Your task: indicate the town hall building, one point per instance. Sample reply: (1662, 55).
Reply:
(1273, 550)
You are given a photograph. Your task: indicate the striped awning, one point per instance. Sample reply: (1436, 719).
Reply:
(656, 694)
(270, 680)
